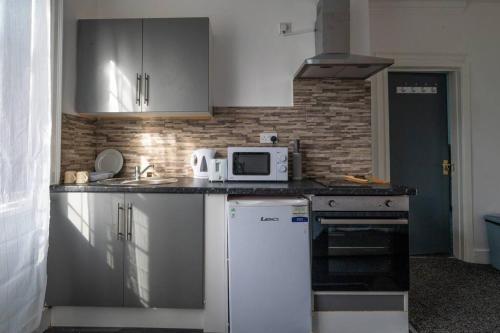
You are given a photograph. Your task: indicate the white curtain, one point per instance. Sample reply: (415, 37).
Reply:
(25, 125)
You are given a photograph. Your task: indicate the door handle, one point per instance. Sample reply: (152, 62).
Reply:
(447, 167)
(119, 234)
(129, 221)
(334, 221)
(138, 89)
(146, 87)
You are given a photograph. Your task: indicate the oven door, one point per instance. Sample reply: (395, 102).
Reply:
(251, 165)
(360, 253)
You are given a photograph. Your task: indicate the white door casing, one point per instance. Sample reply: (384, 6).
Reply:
(457, 68)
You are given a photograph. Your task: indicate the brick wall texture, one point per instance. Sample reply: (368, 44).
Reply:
(332, 118)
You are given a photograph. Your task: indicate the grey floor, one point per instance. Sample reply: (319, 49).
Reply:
(448, 295)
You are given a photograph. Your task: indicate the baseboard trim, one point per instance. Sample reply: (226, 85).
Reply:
(126, 317)
(44, 322)
(481, 256)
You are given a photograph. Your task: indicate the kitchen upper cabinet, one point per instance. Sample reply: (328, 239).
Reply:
(176, 64)
(135, 250)
(132, 66)
(85, 255)
(109, 61)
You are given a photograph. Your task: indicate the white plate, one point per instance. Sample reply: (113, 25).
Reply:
(109, 160)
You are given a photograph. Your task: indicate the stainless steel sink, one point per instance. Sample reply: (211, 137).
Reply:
(140, 182)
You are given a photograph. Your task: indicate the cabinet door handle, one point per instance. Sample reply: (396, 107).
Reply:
(146, 87)
(129, 222)
(119, 234)
(138, 89)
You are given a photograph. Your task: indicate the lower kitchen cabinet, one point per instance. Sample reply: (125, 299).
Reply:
(164, 256)
(85, 257)
(134, 249)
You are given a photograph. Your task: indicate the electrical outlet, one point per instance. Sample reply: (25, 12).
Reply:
(267, 137)
(285, 28)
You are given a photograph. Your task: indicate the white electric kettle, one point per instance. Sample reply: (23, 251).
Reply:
(199, 162)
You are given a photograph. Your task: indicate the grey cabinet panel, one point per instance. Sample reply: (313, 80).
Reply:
(164, 258)
(176, 61)
(160, 265)
(85, 259)
(108, 62)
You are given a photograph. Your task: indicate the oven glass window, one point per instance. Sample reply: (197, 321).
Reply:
(251, 164)
(360, 257)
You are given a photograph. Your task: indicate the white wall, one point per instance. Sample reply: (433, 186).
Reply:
(253, 65)
(456, 27)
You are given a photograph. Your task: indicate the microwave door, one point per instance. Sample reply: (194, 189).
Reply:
(251, 164)
(257, 163)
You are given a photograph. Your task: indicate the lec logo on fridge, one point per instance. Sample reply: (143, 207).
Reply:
(269, 219)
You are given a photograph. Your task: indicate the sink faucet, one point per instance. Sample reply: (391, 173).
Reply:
(138, 172)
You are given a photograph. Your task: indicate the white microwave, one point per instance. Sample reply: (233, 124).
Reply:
(257, 163)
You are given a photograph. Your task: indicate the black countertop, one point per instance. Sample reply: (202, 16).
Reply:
(192, 185)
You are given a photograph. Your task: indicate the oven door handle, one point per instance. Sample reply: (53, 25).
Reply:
(362, 221)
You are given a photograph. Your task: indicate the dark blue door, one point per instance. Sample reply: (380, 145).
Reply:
(419, 141)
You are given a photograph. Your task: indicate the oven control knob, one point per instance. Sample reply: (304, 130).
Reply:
(282, 168)
(332, 203)
(282, 158)
(388, 203)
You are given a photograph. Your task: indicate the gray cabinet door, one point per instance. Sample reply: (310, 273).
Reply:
(85, 259)
(164, 258)
(108, 62)
(176, 65)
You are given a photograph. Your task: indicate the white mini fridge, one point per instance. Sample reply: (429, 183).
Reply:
(269, 265)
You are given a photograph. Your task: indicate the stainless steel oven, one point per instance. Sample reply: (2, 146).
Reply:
(360, 243)
(257, 163)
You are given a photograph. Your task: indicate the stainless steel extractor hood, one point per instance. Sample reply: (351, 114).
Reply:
(333, 59)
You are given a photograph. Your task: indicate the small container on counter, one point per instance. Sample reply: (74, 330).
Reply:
(296, 161)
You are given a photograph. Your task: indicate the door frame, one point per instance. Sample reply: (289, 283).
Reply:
(457, 68)
(57, 23)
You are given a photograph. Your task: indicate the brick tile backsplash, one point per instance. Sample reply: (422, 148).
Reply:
(332, 118)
